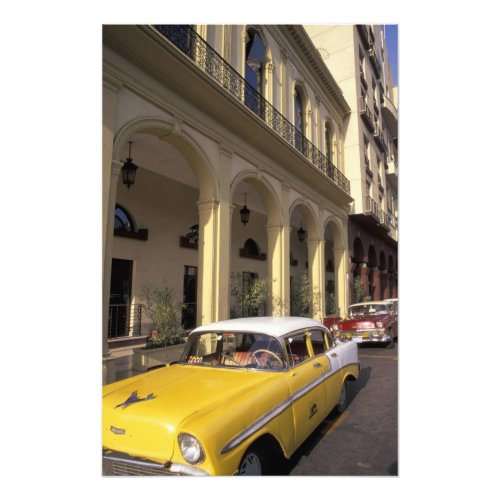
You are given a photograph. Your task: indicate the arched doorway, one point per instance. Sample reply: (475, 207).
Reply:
(335, 271)
(172, 179)
(256, 270)
(307, 271)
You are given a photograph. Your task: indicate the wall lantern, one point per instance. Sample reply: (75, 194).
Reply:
(129, 169)
(301, 233)
(245, 213)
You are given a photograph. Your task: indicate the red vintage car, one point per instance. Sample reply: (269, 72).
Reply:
(366, 322)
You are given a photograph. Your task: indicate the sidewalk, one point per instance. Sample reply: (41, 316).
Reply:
(118, 365)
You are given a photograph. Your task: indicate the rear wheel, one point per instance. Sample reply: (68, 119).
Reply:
(342, 404)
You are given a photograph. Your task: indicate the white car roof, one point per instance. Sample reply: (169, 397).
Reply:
(275, 326)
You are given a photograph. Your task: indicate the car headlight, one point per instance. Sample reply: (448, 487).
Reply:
(191, 449)
(379, 324)
(335, 327)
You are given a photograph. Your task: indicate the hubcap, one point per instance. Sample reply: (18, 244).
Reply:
(251, 466)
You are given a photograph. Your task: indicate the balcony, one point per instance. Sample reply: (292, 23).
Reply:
(364, 35)
(379, 138)
(385, 220)
(374, 60)
(371, 208)
(391, 172)
(212, 64)
(366, 114)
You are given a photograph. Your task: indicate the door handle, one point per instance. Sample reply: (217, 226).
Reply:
(333, 355)
(317, 365)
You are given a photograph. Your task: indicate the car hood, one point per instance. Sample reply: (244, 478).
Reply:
(362, 322)
(142, 415)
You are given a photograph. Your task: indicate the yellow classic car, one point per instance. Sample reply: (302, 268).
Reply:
(244, 394)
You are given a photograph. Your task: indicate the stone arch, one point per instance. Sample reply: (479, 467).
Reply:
(266, 192)
(313, 253)
(337, 230)
(268, 233)
(309, 216)
(336, 254)
(359, 251)
(180, 139)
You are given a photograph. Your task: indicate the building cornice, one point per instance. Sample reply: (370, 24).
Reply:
(297, 35)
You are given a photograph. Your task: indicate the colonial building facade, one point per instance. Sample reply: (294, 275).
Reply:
(225, 123)
(357, 58)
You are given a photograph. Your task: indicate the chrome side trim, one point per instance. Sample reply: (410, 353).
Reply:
(258, 424)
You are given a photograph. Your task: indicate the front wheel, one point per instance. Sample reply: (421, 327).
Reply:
(390, 344)
(252, 463)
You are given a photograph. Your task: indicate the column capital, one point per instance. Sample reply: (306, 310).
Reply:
(208, 205)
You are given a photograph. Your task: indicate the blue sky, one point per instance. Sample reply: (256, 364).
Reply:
(391, 37)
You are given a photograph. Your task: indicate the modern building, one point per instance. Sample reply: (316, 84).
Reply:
(244, 145)
(357, 57)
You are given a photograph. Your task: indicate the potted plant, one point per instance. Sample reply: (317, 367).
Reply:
(166, 342)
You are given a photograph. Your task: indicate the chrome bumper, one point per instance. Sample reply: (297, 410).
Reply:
(121, 464)
(366, 336)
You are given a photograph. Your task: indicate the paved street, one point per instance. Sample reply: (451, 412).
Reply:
(364, 440)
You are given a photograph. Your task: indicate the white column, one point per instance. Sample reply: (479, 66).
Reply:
(278, 268)
(208, 250)
(108, 249)
(223, 237)
(342, 292)
(110, 176)
(315, 249)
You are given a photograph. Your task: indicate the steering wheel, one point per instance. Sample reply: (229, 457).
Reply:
(273, 354)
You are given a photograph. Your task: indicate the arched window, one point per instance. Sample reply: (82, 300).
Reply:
(254, 72)
(299, 121)
(123, 220)
(251, 247)
(255, 55)
(328, 142)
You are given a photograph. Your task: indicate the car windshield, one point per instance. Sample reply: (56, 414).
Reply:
(234, 350)
(367, 310)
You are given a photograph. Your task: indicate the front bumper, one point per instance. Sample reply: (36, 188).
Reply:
(362, 336)
(121, 464)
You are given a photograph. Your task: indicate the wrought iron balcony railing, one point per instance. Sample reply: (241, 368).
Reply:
(206, 58)
(366, 114)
